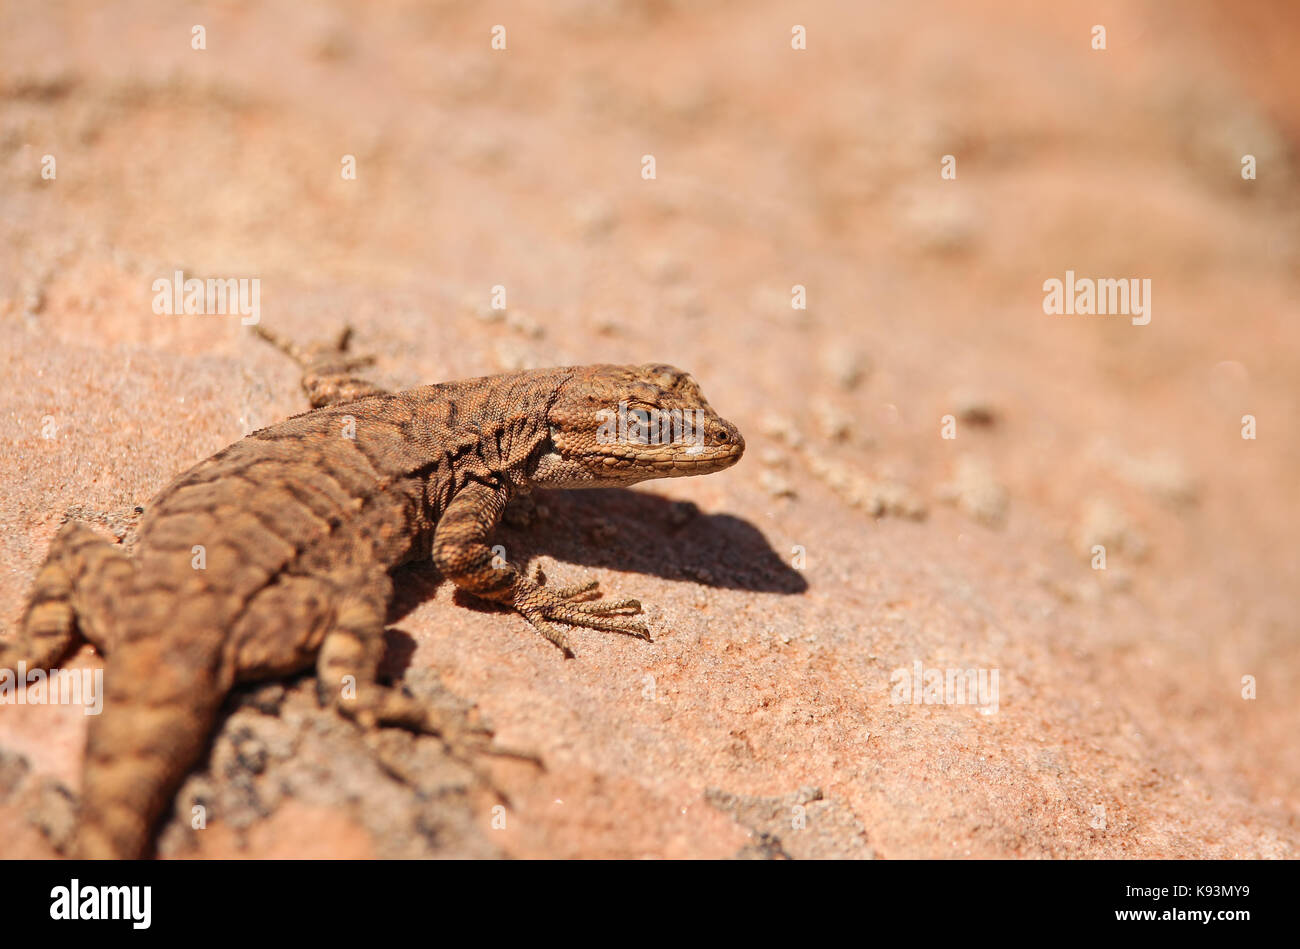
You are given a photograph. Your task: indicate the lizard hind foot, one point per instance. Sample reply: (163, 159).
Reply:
(462, 739)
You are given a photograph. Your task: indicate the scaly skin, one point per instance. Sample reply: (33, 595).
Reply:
(275, 553)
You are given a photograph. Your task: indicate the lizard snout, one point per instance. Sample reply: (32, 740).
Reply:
(727, 434)
(720, 435)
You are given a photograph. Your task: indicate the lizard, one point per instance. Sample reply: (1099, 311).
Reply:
(275, 554)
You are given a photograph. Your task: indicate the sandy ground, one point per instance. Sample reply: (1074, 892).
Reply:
(853, 540)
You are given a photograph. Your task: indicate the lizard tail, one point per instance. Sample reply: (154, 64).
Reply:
(160, 706)
(80, 564)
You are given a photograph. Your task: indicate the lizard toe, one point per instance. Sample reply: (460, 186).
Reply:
(627, 607)
(575, 590)
(555, 634)
(574, 616)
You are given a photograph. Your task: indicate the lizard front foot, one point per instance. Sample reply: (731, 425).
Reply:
(327, 368)
(543, 606)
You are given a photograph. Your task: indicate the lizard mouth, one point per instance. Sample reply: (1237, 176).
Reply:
(721, 446)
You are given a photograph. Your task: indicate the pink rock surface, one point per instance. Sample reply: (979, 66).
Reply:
(852, 541)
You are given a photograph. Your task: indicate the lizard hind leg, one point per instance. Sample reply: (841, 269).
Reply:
(72, 596)
(327, 368)
(348, 678)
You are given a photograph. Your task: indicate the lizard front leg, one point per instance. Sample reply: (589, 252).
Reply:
(327, 368)
(461, 551)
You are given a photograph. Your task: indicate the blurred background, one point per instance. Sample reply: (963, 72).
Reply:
(774, 167)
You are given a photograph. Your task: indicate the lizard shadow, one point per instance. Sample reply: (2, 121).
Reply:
(619, 529)
(643, 532)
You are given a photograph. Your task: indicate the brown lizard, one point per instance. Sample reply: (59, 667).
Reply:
(275, 553)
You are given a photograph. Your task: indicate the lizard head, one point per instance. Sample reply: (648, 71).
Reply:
(617, 425)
